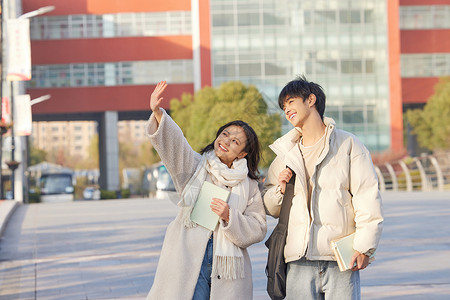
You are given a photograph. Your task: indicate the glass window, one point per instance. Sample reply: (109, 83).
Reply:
(57, 28)
(78, 75)
(226, 19)
(371, 114)
(309, 67)
(272, 19)
(332, 112)
(424, 16)
(248, 19)
(77, 26)
(307, 17)
(349, 16)
(274, 69)
(110, 25)
(368, 16)
(351, 66)
(250, 69)
(325, 17)
(326, 67)
(353, 116)
(124, 73)
(369, 66)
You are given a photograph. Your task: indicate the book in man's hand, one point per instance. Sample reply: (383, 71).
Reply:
(343, 251)
(202, 213)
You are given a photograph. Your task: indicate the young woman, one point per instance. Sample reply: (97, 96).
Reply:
(196, 263)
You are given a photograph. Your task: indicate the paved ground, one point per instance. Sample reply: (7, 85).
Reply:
(109, 249)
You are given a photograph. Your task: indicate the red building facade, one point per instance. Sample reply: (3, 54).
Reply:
(425, 46)
(79, 39)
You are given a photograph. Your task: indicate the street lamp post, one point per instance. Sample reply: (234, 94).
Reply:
(27, 154)
(37, 12)
(14, 164)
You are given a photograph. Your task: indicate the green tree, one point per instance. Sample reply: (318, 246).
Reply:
(200, 116)
(36, 155)
(430, 124)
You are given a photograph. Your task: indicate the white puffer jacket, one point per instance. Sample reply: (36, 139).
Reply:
(344, 199)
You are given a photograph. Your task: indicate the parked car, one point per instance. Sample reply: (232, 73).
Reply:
(158, 183)
(91, 193)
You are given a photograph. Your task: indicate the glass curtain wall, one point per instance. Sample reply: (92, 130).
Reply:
(342, 45)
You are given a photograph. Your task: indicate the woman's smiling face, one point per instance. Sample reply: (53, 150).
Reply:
(230, 144)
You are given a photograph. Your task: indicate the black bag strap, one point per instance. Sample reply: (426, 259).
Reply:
(287, 201)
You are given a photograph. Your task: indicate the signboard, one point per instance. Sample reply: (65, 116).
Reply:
(22, 115)
(18, 49)
(6, 110)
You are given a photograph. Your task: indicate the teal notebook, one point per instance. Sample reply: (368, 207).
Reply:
(343, 251)
(202, 213)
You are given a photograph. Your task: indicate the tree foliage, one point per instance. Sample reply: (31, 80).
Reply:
(432, 124)
(36, 155)
(200, 117)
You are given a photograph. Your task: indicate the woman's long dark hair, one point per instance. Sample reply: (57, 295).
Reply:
(252, 147)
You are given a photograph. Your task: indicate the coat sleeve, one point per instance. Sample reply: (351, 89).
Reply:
(250, 227)
(175, 152)
(366, 202)
(272, 198)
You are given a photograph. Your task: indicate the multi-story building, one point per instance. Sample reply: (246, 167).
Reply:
(342, 45)
(372, 57)
(71, 137)
(425, 48)
(425, 52)
(75, 137)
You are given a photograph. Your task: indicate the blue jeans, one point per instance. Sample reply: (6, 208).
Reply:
(320, 279)
(203, 287)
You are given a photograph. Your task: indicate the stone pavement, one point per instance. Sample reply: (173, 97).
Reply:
(110, 249)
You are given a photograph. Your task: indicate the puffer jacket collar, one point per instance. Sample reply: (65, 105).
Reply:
(287, 147)
(287, 142)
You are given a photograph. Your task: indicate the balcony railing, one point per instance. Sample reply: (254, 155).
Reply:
(423, 173)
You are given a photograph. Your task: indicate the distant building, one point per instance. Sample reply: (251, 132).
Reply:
(374, 58)
(71, 137)
(74, 137)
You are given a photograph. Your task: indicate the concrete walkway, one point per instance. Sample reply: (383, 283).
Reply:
(110, 249)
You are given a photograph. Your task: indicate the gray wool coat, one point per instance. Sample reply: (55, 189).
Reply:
(183, 248)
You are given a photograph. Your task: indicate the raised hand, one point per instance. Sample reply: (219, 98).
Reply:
(155, 99)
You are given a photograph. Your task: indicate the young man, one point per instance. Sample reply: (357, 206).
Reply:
(336, 194)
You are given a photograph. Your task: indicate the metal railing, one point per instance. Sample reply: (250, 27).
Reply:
(423, 173)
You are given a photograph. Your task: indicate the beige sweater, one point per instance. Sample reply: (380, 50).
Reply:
(183, 248)
(344, 198)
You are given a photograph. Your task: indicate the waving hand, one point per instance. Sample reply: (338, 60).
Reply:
(155, 99)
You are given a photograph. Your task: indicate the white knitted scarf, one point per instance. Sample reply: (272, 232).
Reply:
(228, 260)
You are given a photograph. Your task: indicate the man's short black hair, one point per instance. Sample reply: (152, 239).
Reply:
(301, 87)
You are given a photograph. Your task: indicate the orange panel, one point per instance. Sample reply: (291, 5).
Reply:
(418, 90)
(97, 99)
(395, 88)
(205, 43)
(111, 50)
(70, 7)
(425, 41)
(115, 6)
